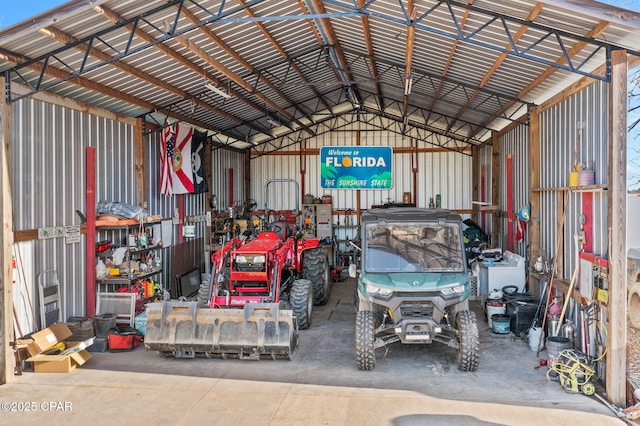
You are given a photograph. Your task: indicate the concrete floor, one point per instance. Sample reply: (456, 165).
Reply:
(411, 385)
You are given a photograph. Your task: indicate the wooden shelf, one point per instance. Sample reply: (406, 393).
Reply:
(116, 279)
(583, 188)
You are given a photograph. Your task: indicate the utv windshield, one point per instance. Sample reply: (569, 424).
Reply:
(413, 247)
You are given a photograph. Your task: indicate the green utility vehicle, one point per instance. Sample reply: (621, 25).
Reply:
(413, 285)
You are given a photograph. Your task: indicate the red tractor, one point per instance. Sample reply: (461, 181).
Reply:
(272, 280)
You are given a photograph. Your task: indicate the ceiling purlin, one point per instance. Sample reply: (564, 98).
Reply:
(596, 31)
(425, 126)
(330, 38)
(281, 51)
(66, 39)
(203, 55)
(490, 17)
(248, 136)
(408, 60)
(244, 63)
(85, 83)
(498, 62)
(364, 20)
(130, 25)
(115, 18)
(418, 72)
(447, 65)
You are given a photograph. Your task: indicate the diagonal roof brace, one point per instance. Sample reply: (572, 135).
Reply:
(490, 17)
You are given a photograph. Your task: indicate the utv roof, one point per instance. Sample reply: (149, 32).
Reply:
(402, 214)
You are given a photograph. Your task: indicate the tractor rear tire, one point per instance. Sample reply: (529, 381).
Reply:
(468, 340)
(301, 300)
(365, 339)
(315, 268)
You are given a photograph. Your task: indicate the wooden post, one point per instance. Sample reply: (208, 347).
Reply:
(139, 156)
(496, 230)
(6, 237)
(617, 308)
(534, 196)
(475, 183)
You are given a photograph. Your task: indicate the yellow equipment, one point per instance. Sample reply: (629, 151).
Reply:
(574, 371)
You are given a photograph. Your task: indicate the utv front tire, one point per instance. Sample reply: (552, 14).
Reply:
(468, 341)
(301, 300)
(315, 267)
(365, 338)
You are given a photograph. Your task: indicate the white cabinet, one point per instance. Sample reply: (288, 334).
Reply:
(510, 271)
(317, 220)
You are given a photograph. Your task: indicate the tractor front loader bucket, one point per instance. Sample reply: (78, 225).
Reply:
(258, 330)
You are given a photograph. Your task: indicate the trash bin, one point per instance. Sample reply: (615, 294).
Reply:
(103, 323)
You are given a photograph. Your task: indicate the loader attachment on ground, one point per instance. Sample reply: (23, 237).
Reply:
(258, 330)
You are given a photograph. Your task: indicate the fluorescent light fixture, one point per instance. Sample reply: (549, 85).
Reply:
(274, 122)
(408, 84)
(217, 90)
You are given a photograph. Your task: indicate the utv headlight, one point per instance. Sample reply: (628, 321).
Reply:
(378, 291)
(457, 290)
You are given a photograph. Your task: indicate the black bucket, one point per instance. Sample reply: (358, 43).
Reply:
(501, 324)
(103, 323)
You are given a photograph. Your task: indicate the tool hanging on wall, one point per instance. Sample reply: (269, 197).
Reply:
(565, 208)
(574, 278)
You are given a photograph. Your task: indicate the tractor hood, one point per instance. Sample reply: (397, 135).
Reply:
(262, 244)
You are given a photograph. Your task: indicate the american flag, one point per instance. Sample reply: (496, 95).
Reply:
(167, 147)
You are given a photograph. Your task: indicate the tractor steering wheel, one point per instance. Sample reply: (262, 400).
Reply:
(275, 227)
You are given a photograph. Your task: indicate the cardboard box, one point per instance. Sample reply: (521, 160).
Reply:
(59, 363)
(64, 362)
(43, 340)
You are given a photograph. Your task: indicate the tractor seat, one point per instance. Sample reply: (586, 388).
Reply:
(280, 228)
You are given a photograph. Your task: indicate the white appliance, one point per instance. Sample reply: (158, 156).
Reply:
(494, 276)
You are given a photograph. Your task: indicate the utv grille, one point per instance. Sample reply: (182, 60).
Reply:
(418, 294)
(416, 310)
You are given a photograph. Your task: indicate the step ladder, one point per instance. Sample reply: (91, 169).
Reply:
(50, 304)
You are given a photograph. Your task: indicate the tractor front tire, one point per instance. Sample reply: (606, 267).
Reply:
(365, 339)
(301, 300)
(468, 341)
(315, 268)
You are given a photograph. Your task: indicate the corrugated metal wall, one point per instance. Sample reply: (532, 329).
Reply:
(48, 184)
(484, 176)
(516, 144)
(222, 162)
(447, 173)
(560, 138)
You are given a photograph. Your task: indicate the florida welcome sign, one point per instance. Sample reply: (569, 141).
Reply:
(356, 167)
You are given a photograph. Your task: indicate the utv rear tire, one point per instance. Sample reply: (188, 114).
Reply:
(365, 338)
(468, 340)
(301, 300)
(315, 267)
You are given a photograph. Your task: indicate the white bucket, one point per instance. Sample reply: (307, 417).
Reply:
(495, 308)
(536, 336)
